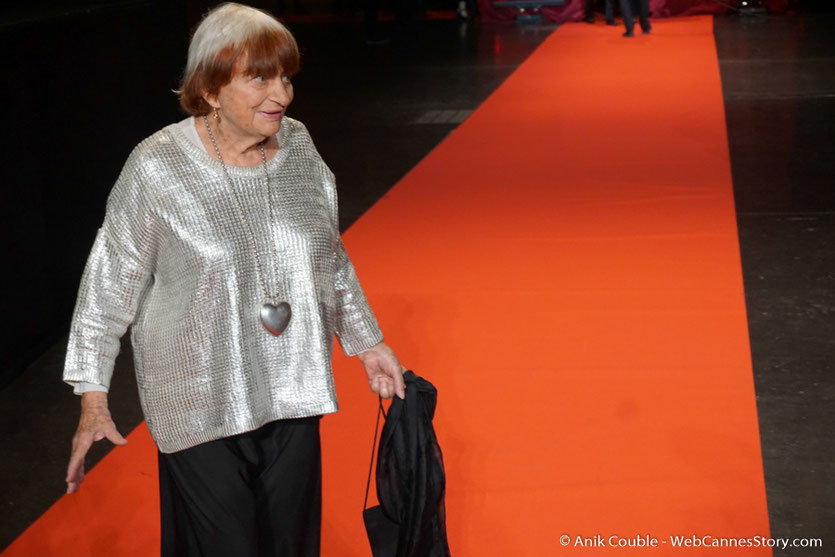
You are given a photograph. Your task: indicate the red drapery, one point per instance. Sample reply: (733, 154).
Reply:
(573, 9)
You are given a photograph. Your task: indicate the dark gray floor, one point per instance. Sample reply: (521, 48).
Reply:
(363, 105)
(778, 77)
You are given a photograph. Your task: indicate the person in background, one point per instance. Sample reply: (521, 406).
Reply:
(608, 11)
(589, 10)
(626, 9)
(220, 249)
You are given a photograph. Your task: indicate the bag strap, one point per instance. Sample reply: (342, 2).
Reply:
(373, 450)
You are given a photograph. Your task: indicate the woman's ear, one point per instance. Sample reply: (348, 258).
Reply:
(211, 99)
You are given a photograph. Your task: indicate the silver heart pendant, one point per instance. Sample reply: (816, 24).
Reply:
(275, 318)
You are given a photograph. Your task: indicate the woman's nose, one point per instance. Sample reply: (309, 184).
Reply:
(282, 92)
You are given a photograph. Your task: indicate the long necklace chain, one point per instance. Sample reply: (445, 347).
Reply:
(242, 213)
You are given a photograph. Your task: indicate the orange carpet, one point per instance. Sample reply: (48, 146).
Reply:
(565, 268)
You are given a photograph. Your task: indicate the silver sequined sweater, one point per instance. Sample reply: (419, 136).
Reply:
(173, 260)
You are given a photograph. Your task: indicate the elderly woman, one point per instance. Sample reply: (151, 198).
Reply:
(220, 248)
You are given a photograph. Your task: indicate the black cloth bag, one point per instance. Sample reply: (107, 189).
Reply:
(410, 520)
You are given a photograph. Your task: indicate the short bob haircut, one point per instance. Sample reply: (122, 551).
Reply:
(234, 37)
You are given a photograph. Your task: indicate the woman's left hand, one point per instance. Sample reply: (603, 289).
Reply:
(385, 374)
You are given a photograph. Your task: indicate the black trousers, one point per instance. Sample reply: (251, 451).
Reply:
(256, 494)
(626, 7)
(608, 7)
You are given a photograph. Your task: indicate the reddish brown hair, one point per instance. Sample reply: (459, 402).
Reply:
(267, 53)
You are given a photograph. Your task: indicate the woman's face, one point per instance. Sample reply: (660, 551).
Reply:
(252, 107)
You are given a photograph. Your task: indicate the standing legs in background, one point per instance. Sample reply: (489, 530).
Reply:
(609, 11)
(589, 7)
(643, 14)
(626, 7)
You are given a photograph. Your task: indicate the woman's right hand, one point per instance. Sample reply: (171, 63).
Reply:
(95, 424)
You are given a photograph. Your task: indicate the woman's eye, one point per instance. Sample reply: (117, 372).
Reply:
(285, 78)
(259, 79)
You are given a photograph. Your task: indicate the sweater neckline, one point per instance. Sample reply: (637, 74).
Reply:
(201, 156)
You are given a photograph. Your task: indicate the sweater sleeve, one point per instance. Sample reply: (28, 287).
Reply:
(118, 271)
(356, 326)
